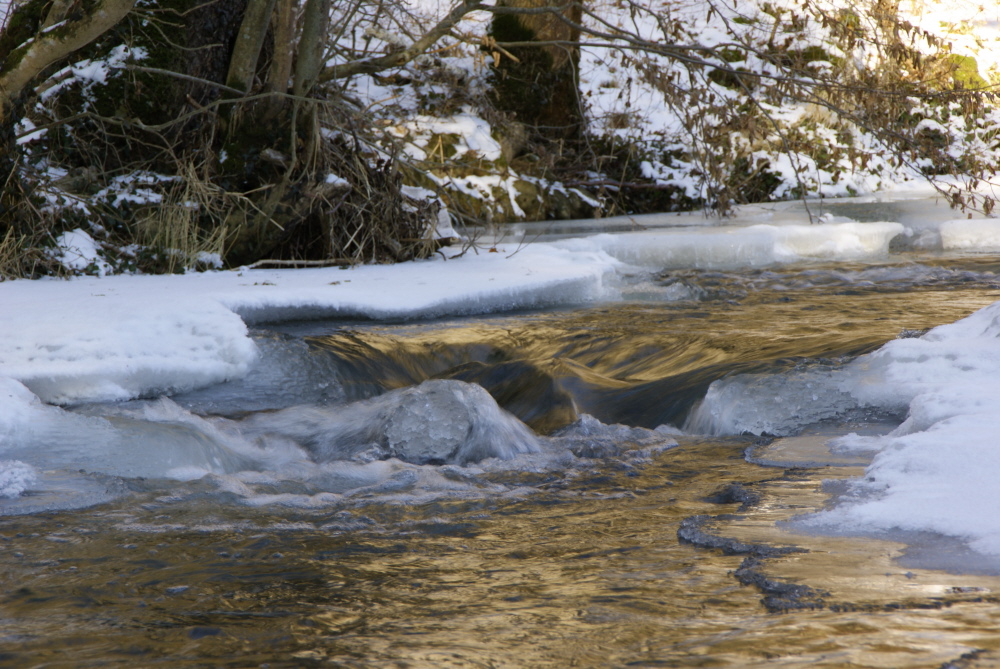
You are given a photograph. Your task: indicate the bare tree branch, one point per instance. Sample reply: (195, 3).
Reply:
(30, 59)
(397, 58)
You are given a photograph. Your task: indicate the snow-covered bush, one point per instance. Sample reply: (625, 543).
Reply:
(168, 141)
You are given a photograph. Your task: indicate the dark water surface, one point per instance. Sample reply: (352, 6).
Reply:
(577, 563)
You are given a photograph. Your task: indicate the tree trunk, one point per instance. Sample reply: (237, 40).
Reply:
(280, 73)
(312, 46)
(249, 41)
(541, 87)
(308, 66)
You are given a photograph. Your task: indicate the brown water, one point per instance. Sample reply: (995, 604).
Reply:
(576, 566)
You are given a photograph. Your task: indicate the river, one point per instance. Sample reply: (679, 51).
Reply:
(647, 534)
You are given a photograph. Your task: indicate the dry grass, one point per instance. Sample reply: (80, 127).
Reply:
(174, 230)
(10, 255)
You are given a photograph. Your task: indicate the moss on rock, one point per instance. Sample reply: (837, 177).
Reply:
(964, 71)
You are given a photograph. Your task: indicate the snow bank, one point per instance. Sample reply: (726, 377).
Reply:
(752, 246)
(980, 236)
(118, 337)
(937, 471)
(479, 282)
(115, 338)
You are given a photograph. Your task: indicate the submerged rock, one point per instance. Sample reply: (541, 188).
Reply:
(436, 422)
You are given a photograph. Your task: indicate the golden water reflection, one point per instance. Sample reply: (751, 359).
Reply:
(589, 575)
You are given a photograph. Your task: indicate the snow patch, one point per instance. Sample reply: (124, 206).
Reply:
(979, 236)
(77, 251)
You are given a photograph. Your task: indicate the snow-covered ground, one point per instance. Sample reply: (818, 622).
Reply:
(432, 112)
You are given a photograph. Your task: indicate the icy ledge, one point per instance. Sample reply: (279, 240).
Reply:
(731, 247)
(121, 337)
(937, 472)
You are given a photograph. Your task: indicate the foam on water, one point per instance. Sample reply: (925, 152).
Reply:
(15, 478)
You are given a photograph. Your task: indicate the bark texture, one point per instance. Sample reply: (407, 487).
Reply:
(249, 42)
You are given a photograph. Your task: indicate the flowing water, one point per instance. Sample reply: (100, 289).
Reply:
(616, 540)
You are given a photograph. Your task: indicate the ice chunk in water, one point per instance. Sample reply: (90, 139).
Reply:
(590, 438)
(451, 421)
(777, 403)
(436, 422)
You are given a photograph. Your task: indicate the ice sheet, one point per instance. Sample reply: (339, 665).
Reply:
(730, 247)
